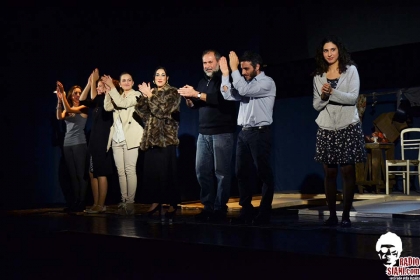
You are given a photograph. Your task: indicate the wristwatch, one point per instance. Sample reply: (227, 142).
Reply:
(199, 95)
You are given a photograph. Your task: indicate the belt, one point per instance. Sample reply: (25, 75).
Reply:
(256, 127)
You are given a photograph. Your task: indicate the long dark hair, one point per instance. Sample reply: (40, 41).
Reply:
(70, 94)
(344, 58)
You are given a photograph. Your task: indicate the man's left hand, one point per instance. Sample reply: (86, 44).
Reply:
(233, 61)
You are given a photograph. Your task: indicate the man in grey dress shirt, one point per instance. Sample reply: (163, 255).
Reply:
(256, 93)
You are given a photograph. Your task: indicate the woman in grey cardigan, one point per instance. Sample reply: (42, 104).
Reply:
(339, 138)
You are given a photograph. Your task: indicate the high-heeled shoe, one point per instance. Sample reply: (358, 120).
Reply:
(150, 213)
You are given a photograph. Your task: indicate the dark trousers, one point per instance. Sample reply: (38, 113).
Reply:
(76, 157)
(254, 147)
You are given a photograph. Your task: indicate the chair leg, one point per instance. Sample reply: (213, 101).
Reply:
(418, 175)
(408, 179)
(387, 179)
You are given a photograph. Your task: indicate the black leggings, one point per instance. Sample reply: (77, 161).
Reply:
(75, 157)
(349, 182)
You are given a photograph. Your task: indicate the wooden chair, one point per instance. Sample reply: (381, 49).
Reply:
(404, 165)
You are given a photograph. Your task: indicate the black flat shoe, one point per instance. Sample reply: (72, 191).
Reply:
(241, 220)
(345, 223)
(217, 216)
(203, 216)
(261, 219)
(331, 221)
(170, 215)
(150, 213)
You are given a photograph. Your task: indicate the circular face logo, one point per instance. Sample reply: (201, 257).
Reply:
(389, 248)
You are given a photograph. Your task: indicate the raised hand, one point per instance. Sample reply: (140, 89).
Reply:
(233, 61)
(224, 66)
(60, 90)
(145, 89)
(108, 81)
(95, 75)
(90, 80)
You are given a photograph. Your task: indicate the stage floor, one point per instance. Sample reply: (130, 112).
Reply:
(295, 233)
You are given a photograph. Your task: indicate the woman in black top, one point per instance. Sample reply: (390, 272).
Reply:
(101, 160)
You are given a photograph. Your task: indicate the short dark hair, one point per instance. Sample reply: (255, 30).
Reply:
(253, 58)
(216, 53)
(344, 58)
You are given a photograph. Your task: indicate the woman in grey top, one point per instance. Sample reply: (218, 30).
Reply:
(339, 139)
(74, 148)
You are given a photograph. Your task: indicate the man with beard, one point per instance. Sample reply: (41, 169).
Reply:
(256, 93)
(215, 141)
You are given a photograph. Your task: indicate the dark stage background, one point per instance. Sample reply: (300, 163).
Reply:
(41, 46)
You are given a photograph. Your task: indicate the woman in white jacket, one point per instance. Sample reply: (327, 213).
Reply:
(124, 138)
(339, 139)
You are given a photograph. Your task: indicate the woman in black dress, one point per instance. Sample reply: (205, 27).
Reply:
(157, 108)
(101, 160)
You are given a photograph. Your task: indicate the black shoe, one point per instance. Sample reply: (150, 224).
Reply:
(261, 219)
(242, 220)
(345, 223)
(170, 215)
(150, 213)
(77, 207)
(203, 216)
(332, 221)
(217, 216)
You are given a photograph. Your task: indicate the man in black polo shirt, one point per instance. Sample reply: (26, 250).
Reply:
(217, 124)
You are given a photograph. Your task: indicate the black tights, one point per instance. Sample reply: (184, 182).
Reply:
(349, 182)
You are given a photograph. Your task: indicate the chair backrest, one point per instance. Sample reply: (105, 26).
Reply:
(410, 142)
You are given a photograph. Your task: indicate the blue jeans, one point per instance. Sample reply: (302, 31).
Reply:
(214, 163)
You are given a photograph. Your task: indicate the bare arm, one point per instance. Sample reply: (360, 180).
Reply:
(76, 110)
(85, 91)
(60, 112)
(95, 78)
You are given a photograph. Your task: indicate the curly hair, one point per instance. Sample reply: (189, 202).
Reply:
(344, 58)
